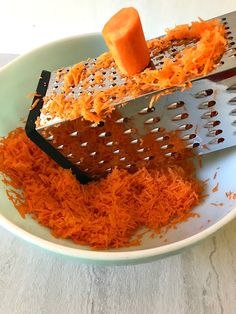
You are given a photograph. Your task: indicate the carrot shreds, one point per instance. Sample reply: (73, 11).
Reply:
(217, 204)
(31, 95)
(216, 188)
(230, 195)
(34, 104)
(104, 213)
(192, 62)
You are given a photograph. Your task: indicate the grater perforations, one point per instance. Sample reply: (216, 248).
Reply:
(203, 117)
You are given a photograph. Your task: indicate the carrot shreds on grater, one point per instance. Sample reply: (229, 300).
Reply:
(144, 130)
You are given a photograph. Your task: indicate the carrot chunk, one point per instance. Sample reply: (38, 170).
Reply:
(124, 37)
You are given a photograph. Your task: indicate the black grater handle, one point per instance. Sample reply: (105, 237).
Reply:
(34, 136)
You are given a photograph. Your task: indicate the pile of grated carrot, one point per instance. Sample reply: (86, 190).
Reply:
(102, 214)
(190, 63)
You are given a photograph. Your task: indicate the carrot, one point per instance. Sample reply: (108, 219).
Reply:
(102, 214)
(192, 62)
(216, 188)
(124, 36)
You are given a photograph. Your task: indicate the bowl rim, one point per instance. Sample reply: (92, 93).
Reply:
(95, 255)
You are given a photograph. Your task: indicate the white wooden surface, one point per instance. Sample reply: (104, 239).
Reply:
(202, 280)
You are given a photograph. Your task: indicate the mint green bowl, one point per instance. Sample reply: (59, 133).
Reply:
(20, 78)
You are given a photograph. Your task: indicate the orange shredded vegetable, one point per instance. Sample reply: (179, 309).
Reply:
(216, 188)
(104, 213)
(192, 62)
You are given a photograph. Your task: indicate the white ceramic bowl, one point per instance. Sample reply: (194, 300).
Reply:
(19, 78)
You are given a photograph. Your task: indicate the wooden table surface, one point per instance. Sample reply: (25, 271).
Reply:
(200, 280)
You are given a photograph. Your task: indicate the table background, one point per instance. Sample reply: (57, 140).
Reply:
(201, 280)
(26, 24)
(33, 281)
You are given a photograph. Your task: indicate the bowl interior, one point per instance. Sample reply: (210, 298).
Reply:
(20, 78)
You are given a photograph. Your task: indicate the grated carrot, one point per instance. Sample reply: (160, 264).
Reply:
(191, 62)
(216, 188)
(102, 214)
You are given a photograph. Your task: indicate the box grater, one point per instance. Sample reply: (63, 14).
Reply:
(202, 117)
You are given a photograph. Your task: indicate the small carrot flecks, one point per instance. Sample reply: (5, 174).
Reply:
(31, 95)
(204, 146)
(34, 104)
(217, 204)
(216, 188)
(229, 195)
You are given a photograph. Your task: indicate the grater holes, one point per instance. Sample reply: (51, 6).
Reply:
(104, 134)
(122, 159)
(157, 130)
(233, 112)
(204, 93)
(212, 124)
(230, 38)
(130, 131)
(60, 147)
(152, 120)
(180, 116)
(50, 138)
(101, 162)
(84, 144)
(117, 151)
(193, 145)
(234, 123)
(148, 158)
(217, 140)
(220, 63)
(232, 100)
(175, 105)
(146, 110)
(183, 127)
(173, 154)
(109, 143)
(231, 88)
(189, 136)
(228, 32)
(162, 138)
(74, 134)
(141, 150)
(135, 141)
(70, 156)
(207, 104)
(167, 146)
(232, 43)
(112, 98)
(209, 114)
(108, 170)
(233, 55)
(223, 18)
(93, 154)
(122, 120)
(214, 132)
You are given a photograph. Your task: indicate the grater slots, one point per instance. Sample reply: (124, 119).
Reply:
(202, 117)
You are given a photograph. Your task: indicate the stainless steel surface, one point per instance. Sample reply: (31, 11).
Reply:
(204, 115)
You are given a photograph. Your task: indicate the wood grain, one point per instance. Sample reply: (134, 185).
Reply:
(200, 280)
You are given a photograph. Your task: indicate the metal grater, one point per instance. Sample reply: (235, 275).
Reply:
(203, 116)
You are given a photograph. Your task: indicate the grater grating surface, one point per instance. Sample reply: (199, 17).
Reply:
(204, 117)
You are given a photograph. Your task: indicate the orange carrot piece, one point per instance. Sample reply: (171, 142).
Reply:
(124, 37)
